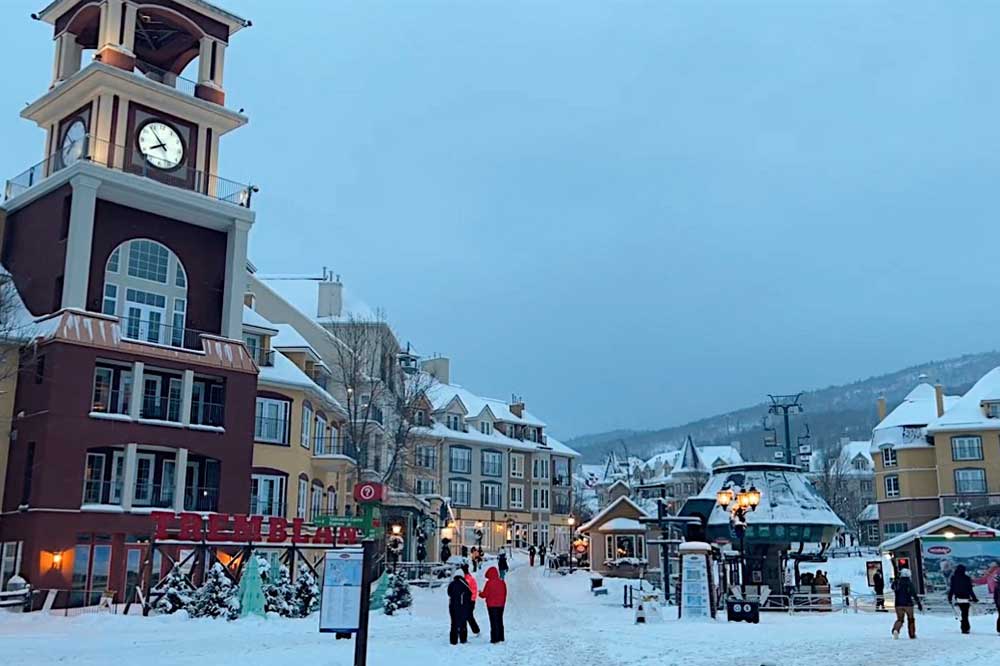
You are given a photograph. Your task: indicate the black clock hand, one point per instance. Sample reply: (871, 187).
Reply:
(156, 135)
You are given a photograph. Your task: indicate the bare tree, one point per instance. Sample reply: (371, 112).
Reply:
(16, 328)
(379, 398)
(834, 480)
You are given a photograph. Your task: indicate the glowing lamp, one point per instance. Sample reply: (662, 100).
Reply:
(754, 496)
(397, 530)
(724, 497)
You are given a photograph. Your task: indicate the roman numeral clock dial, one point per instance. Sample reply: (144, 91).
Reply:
(160, 144)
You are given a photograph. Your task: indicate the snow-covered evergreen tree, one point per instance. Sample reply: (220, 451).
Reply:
(398, 595)
(177, 591)
(217, 597)
(279, 594)
(306, 591)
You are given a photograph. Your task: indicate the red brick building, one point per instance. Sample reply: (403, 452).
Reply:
(139, 392)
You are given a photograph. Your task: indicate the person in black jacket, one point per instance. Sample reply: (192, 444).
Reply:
(459, 601)
(878, 582)
(960, 593)
(502, 564)
(906, 596)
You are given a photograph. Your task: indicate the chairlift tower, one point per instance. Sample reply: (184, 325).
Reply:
(783, 405)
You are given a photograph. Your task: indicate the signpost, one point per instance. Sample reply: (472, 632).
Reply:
(344, 607)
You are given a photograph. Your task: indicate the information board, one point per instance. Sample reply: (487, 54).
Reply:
(340, 606)
(695, 600)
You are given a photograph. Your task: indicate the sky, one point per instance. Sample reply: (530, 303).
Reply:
(632, 214)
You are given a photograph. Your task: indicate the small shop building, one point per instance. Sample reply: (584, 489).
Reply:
(617, 539)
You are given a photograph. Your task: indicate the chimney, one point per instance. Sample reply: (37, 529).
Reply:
(439, 368)
(517, 407)
(939, 396)
(330, 302)
(881, 408)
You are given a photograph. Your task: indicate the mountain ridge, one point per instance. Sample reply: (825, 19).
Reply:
(844, 410)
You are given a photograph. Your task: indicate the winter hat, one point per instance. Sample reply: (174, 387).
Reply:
(904, 573)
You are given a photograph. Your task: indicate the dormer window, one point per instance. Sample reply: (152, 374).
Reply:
(420, 417)
(454, 422)
(486, 427)
(992, 409)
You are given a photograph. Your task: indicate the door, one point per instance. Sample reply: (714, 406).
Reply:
(144, 314)
(174, 400)
(144, 479)
(192, 493)
(151, 398)
(133, 569)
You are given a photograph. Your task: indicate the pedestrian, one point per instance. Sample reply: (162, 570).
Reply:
(906, 596)
(495, 594)
(960, 593)
(820, 578)
(996, 599)
(878, 582)
(459, 596)
(541, 555)
(531, 555)
(470, 580)
(503, 566)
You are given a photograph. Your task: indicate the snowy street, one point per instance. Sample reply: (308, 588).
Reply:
(551, 621)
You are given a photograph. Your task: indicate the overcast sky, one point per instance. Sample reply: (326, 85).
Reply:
(633, 214)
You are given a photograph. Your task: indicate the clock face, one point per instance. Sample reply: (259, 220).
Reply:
(73, 142)
(160, 144)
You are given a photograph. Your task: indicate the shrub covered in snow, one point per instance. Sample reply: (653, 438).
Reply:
(306, 591)
(217, 597)
(177, 591)
(279, 592)
(626, 561)
(398, 595)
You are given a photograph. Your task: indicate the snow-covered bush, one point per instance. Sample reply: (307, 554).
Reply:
(306, 591)
(217, 597)
(279, 594)
(177, 591)
(398, 595)
(626, 561)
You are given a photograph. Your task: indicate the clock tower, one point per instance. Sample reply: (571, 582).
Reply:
(129, 253)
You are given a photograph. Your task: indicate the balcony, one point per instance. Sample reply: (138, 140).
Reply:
(116, 157)
(98, 493)
(332, 454)
(264, 358)
(267, 506)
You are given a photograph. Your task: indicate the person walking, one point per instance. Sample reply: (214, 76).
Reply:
(541, 555)
(470, 611)
(996, 599)
(820, 578)
(960, 593)
(502, 564)
(495, 594)
(878, 582)
(531, 555)
(459, 596)
(905, 597)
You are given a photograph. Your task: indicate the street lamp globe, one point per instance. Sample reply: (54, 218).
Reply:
(724, 497)
(753, 496)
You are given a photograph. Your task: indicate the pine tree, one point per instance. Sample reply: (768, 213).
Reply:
(177, 591)
(306, 591)
(398, 595)
(279, 594)
(217, 597)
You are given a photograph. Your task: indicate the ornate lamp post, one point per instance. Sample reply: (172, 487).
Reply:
(739, 504)
(571, 521)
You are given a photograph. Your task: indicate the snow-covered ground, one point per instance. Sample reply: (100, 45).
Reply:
(551, 621)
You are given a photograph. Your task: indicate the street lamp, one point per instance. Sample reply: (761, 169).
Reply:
(571, 521)
(739, 504)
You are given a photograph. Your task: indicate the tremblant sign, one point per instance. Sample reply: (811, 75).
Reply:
(239, 528)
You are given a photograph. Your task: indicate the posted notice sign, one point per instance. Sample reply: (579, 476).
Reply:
(340, 607)
(695, 601)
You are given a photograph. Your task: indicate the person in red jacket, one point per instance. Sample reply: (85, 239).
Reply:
(471, 581)
(495, 594)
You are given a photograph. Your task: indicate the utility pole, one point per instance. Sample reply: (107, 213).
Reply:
(784, 405)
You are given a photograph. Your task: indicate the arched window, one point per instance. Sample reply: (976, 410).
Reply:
(145, 285)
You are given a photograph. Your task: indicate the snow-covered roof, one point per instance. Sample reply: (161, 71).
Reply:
(904, 426)
(475, 436)
(622, 524)
(846, 456)
(560, 448)
(968, 413)
(441, 395)
(302, 292)
(689, 461)
(255, 320)
(932, 526)
(18, 322)
(868, 514)
(710, 455)
(289, 338)
(598, 519)
(787, 497)
(284, 372)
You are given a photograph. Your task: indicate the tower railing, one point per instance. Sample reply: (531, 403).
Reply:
(130, 160)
